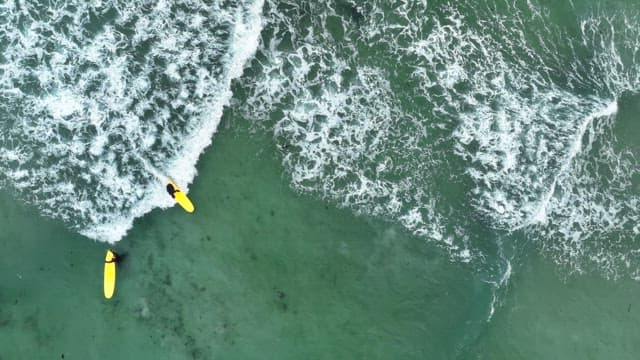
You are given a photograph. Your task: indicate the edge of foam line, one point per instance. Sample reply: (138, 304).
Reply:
(182, 168)
(244, 45)
(540, 214)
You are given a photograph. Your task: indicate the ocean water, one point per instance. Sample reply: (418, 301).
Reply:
(379, 179)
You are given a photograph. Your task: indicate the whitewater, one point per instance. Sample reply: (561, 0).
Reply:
(416, 112)
(102, 101)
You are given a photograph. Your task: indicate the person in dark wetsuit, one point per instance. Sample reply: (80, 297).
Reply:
(117, 258)
(114, 259)
(172, 190)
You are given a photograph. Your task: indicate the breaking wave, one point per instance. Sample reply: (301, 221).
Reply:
(368, 103)
(100, 101)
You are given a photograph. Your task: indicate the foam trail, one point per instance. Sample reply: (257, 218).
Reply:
(574, 149)
(497, 285)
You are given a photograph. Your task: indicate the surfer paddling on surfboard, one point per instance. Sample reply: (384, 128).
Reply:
(110, 274)
(110, 262)
(172, 190)
(179, 196)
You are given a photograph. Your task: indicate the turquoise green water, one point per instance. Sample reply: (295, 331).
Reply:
(373, 180)
(260, 272)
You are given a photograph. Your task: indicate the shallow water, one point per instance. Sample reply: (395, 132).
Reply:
(259, 270)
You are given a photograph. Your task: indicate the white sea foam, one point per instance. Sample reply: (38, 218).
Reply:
(341, 128)
(63, 104)
(522, 101)
(530, 140)
(98, 118)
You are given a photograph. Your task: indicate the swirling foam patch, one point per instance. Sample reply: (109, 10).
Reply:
(370, 100)
(100, 101)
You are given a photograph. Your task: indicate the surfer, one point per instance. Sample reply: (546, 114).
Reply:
(172, 190)
(110, 262)
(179, 196)
(117, 258)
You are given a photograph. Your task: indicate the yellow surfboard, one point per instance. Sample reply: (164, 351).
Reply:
(181, 198)
(109, 274)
